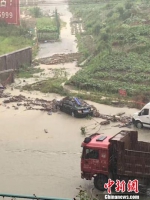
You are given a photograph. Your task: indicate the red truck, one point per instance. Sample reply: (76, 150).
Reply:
(120, 157)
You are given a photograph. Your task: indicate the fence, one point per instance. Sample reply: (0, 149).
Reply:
(16, 59)
(50, 35)
(31, 197)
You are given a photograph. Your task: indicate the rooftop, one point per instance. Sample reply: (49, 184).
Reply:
(98, 141)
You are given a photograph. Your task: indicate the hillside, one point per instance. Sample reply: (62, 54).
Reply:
(120, 32)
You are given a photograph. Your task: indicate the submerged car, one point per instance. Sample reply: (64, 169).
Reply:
(75, 107)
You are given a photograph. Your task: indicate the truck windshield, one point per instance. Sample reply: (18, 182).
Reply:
(145, 112)
(91, 154)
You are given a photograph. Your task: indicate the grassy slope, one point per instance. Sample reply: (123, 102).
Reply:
(16, 37)
(13, 38)
(12, 44)
(121, 59)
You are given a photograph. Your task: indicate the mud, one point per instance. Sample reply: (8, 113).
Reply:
(67, 43)
(40, 153)
(60, 58)
(53, 106)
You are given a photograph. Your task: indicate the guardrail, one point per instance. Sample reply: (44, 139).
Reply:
(31, 197)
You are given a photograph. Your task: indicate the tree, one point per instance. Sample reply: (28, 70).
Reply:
(36, 12)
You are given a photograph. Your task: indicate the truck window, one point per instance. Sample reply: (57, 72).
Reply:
(145, 112)
(91, 154)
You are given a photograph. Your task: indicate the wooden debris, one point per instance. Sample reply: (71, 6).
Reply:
(53, 106)
(45, 131)
(105, 122)
(120, 114)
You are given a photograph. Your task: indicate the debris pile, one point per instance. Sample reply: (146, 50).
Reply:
(31, 104)
(125, 120)
(105, 122)
(60, 58)
(4, 95)
(53, 106)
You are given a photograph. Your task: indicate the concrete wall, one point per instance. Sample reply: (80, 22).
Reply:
(13, 61)
(16, 59)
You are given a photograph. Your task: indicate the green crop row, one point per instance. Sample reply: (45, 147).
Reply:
(121, 36)
(46, 24)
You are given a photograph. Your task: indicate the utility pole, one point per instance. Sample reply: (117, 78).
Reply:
(57, 21)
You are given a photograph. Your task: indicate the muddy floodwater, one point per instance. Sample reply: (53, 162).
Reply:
(48, 164)
(33, 161)
(67, 42)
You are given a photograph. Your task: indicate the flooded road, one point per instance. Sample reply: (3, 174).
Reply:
(48, 164)
(67, 42)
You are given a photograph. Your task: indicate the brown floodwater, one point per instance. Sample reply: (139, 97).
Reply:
(67, 43)
(48, 164)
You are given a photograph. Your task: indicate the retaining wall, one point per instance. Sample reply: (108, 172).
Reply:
(13, 61)
(16, 59)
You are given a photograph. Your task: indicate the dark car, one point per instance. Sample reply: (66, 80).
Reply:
(75, 107)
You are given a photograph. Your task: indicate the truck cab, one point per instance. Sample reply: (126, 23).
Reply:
(142, 118)
(95, 159)
(120, 157)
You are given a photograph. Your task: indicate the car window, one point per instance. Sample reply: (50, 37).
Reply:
(66, 102)
(145, 111)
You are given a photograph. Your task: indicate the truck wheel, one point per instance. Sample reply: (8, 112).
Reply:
(139, 124)
(99, 182)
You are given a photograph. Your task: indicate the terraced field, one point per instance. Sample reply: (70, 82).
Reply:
(121, 35)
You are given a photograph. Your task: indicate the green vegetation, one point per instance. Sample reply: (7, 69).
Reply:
(13, 38)
(35, 12)
(49, 85)
(46, 24)
(121, 37)
(17, 37)
(52, 85)
(47, 29)
(83, 195)
(27, 72)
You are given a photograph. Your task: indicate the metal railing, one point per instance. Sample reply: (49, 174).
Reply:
(31, 197)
